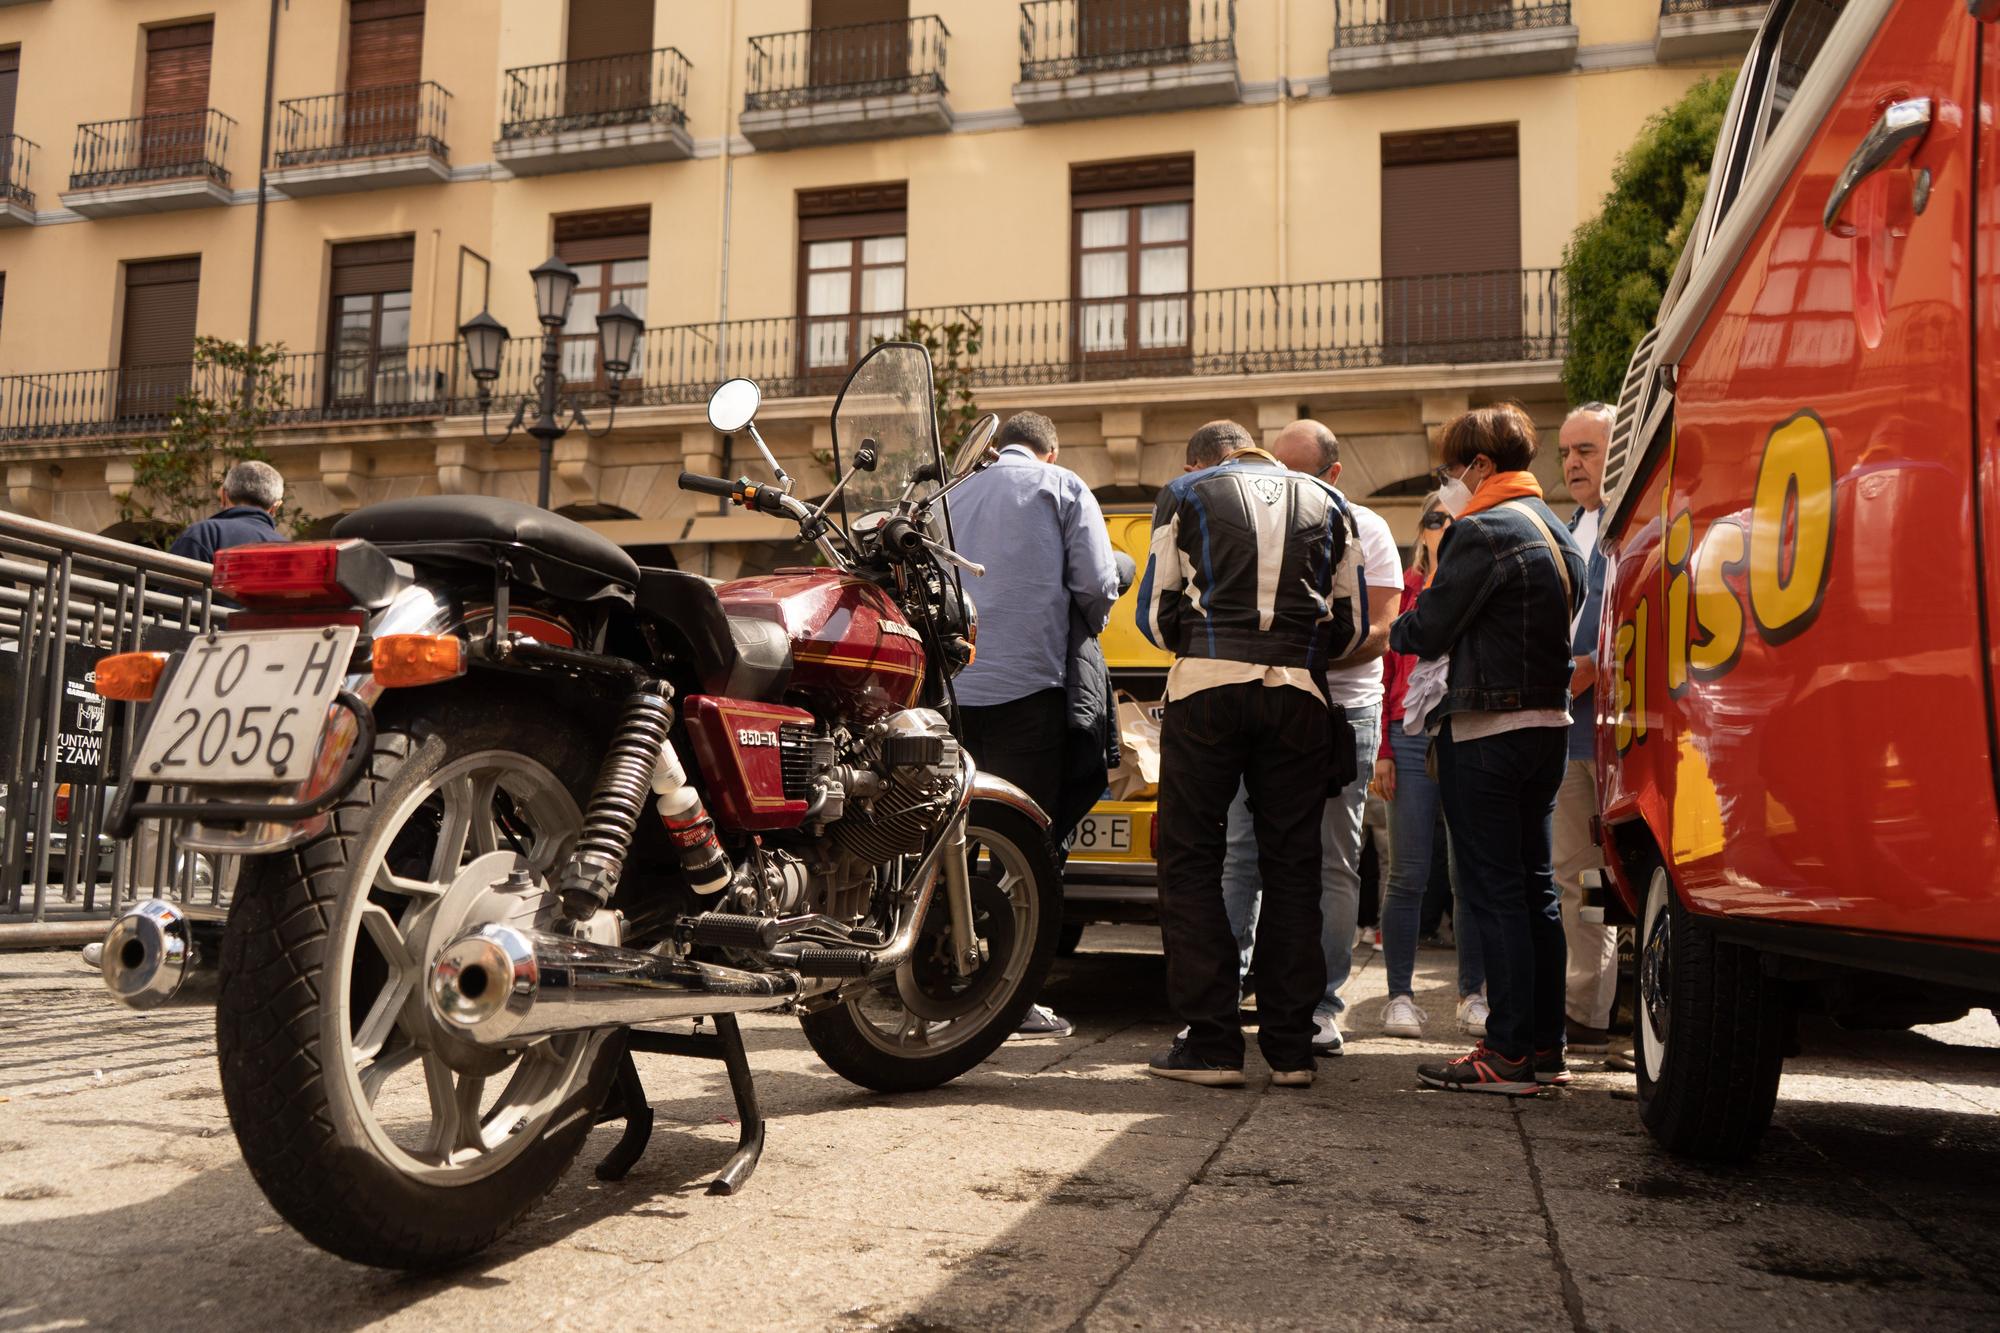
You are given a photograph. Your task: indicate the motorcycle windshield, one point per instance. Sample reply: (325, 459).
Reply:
(888, 401)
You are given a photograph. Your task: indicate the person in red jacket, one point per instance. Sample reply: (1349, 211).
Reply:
(1413, 819)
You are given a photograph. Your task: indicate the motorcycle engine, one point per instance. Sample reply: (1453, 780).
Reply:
(899, 773)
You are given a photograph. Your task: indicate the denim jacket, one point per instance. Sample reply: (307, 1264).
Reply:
(1497, 606)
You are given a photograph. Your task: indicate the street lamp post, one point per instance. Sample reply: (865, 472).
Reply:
(485, 337)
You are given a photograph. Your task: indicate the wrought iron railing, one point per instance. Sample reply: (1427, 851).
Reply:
(362, 122)
(1704, 6)
(1061, 38)
(1373, 22)
(17, 161)
(354, 385)
(644, 86)
(790, 69)
(1453, 318)
(151, 148)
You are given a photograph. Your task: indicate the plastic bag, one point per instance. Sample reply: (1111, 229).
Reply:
(1137, 776)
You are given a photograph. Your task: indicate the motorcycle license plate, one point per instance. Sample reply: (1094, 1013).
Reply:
(1103, 834)
(246, 708)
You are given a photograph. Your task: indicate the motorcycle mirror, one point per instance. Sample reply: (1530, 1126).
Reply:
(976, 451)
(866, 456)
(734, 405)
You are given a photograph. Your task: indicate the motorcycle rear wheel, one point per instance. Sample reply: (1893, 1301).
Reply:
(932, 1026)
(369, 1129)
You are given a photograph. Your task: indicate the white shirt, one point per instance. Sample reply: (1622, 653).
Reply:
(1585, 533)
(1381, 567)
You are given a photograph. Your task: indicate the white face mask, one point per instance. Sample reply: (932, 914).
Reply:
(1455, 495)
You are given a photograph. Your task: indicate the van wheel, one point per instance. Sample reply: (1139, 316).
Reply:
(1069, 939)
(1711, 1033)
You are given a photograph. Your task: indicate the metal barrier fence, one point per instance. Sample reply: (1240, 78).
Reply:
(68, 599)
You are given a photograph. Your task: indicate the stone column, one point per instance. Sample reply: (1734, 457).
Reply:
(1123, 429)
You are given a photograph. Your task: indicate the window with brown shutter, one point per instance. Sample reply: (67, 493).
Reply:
(853, 258)
(1451, 243)
(845, 53)
(10, 81)
(156, 344)
(1132, 256)
(608, 62)
(369, 300)
(176, 108)
(609, 253)
(1116, 27)
(385, 61)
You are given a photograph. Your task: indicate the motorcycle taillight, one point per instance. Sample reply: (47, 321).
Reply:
(297, 575)
(62, 804)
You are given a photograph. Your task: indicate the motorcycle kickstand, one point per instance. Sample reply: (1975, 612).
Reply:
(725, 1045)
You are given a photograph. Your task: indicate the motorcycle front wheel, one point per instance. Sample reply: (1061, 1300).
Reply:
(929, 1025)
(379, 1135)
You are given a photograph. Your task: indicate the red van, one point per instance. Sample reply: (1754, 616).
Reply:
(1800, 738)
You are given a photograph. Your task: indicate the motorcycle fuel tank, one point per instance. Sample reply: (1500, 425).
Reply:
(851, 647)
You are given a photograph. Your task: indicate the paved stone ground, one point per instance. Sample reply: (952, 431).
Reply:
(1057, 1187)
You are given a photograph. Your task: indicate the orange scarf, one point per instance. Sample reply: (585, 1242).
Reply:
(1500, 488)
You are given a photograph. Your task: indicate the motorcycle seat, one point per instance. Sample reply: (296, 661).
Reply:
(543, 550)
(740, 657)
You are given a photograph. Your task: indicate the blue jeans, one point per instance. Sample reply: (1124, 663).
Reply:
(1499, 799)
(1412, 822)
(1340, 860)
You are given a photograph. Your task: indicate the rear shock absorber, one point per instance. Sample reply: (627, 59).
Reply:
(641, 761)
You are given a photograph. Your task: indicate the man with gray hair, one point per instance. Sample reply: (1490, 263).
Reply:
(250, 495)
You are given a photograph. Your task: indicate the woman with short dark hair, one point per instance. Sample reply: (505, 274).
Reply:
(1499, 607)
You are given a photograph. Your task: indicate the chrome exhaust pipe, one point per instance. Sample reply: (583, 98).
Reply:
(499, 986)
(160, 953)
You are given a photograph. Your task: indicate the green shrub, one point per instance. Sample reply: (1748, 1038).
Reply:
(1618, 264)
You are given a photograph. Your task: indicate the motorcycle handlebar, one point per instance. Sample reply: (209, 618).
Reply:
(696, 481)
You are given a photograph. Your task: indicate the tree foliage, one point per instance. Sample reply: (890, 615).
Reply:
(231, 396)
(951, 346)
(1618, 264)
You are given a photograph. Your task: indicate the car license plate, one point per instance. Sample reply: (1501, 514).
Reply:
(246, 708)
(1103, 835)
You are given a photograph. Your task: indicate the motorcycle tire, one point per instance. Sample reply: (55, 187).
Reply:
(858, 1049)
(313, 1139)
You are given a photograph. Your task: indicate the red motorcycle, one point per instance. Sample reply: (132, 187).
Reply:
(508, 803)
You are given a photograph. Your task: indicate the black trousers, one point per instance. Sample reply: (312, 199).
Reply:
(1022, 741)
(1278, 742)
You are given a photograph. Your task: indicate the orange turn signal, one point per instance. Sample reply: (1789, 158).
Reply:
(130, 676)
(417, 659)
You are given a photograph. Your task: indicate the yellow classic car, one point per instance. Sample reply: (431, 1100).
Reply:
(1110, 874)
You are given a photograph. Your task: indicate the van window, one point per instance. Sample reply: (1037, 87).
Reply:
(1799, 45)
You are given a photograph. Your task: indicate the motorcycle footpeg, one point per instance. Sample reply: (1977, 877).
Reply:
(818, 962)
(732, 931)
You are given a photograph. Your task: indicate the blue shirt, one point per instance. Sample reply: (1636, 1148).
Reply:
(1583, 643)
(238, 525)
(1038, 530)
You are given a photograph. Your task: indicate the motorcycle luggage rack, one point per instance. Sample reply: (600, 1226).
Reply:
(628, 1100)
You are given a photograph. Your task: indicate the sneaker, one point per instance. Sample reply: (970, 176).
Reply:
(1552, 1069)
(1482, 1070)
(1326, 1035)
(1291, 1078)
(1179, 1062)
(93, 955)
(1041, 1021)
(1472, 1015)
(1402, 1018)
(1587, 1040)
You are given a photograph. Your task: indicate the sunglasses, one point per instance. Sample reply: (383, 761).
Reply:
(1437, 518)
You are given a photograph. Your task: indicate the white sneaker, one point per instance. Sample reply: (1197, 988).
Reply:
(1326, 1035)
(93, 955)
(1402, 1018)
(1472, 1015)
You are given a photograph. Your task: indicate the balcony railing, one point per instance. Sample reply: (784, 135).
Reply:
(1510, 315)
(362, 122)
(645, 86)
(151, 148)
(318, 386)
(1375, 22)
(17, 160)
(793, 69)
(1704, 6)
(1064, 38)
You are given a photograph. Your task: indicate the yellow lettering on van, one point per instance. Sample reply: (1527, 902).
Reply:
(1679, 544)
(1791, 529)
(1718, 628)
(1628, 680)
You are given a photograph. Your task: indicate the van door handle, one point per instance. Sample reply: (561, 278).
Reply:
(1903, 125)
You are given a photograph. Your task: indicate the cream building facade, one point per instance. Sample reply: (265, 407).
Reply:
(1156, 212)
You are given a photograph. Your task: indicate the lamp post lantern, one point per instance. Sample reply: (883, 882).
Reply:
(618, 332)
